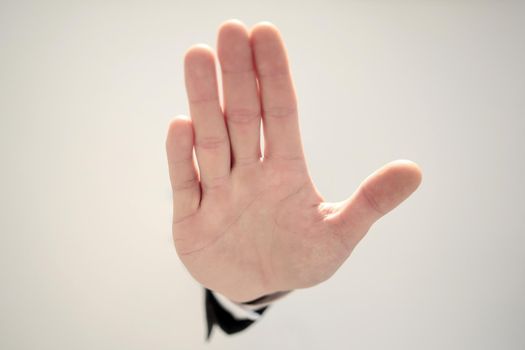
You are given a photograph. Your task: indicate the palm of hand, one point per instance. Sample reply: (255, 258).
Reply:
(259, 233)
(244, 225)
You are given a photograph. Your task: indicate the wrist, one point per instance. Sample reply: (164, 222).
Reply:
(260, 301)
(266, 299)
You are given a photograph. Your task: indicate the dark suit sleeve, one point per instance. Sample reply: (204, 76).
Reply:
(217, 315)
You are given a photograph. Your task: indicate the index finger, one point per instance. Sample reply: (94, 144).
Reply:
(277, 93)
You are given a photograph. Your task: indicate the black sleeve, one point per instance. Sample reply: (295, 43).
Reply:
(216, 315)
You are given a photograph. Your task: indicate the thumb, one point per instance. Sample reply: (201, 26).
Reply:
(378, 194)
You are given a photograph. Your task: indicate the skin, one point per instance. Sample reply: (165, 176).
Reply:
(248, 220)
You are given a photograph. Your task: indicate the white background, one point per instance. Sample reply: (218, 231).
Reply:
(86, 93)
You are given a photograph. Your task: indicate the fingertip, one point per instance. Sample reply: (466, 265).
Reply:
(387, 187)
(199, 48)
(407, 171)
(199, 54)
(230, 25)
(180, 132)
(232, 36)
(265, 25)
(179, 122)
(264, 29)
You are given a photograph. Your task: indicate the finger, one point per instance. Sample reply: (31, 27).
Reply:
(212, 146)
(241, 98)
(381, 192)
(278, 100)
(182, 168)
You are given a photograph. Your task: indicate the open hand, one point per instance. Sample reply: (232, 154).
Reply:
(248, 222)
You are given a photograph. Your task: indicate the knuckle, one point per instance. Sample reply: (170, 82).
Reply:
(198, 101)
(242, 161)
(185, 184)
(280, 112)
(278, 72)
(216, 182)
(242, 116)
(211, 142)
(372, 201)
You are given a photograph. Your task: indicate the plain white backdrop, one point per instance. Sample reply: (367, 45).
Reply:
(86, 93)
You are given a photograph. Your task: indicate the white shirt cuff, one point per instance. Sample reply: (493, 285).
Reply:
(241, 311)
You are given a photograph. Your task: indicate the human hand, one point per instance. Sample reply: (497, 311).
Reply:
(246, 225)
